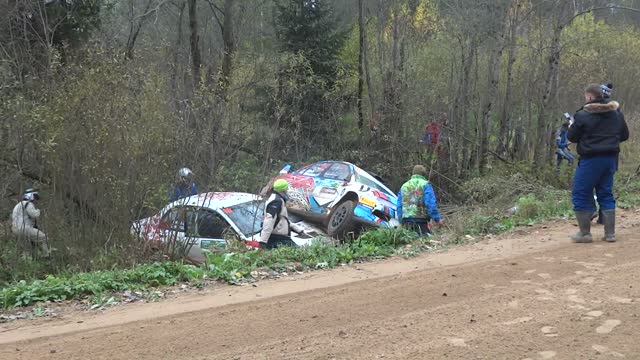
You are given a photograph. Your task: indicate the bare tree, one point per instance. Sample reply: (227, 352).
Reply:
(194, 42)
(229, 47)
(362, 30)
(497, 33)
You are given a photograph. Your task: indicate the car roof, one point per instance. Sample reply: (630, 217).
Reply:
(334, 161)
(216, 200)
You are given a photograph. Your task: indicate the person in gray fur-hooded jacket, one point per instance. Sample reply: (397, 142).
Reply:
(276, 227)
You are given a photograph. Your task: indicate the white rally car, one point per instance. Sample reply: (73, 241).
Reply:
(204, 221)
(339, 195)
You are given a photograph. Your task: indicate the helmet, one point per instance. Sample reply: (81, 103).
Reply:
(31, 195)
(185, 173)
(280, 185)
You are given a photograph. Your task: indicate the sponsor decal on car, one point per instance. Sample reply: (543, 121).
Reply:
(207, 244)
(368, 202)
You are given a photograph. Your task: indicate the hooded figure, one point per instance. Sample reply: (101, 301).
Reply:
(599, 128)
(24, 221)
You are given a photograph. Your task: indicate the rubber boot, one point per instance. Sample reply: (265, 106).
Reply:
(584, 223)
(609, 220)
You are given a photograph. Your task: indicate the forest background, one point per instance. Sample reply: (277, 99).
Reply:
(101, 101)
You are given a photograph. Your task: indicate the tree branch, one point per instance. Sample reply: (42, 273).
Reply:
(608, 7)
(215, 8)
(150, 11)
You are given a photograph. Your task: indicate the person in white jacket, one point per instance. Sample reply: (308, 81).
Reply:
(276, 227)
(24, 221)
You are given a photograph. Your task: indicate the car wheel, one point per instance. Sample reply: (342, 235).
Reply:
(340, 222)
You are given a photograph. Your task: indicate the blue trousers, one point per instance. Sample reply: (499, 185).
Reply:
(564, 154)
(594, 174)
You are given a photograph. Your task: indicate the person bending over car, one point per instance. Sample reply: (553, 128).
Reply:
(417, 204)
(184, 185)
(276, 227)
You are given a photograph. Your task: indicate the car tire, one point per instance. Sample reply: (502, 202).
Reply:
(340, 222)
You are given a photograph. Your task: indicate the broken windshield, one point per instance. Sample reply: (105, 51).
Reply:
(246, 216)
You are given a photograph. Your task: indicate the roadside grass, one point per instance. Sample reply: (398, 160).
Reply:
(500, 213)
(236, 265)
(526, 210)
(232, 267)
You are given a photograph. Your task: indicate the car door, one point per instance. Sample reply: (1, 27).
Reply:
(177, 230)
(187, 230)
(210, 229)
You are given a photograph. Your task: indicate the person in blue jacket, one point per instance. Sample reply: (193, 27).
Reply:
(417, 204)
(598, 129)
(184, 185)
(562, 151)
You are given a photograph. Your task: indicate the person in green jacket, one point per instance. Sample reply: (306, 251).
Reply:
(417, 204)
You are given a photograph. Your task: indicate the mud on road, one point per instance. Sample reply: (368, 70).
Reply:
(531, 295)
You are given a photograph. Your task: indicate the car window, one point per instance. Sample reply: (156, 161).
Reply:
(246, 216)
(315, 169)
(174, 219)
(337, 171)
(369, 181)
(194, 222)
(210, 225)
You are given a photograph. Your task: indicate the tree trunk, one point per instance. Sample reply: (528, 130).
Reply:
(492, 91)
(505, 112)
(229, 48)
(194, 43)
(362, 30)
(135, 28)
(176, 51)
(549, 94)
(365, 55)
(463, 103)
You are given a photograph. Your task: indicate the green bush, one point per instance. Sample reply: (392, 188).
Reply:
(552, 203)
(528, 207)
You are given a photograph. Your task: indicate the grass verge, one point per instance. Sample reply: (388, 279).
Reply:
(231, 267)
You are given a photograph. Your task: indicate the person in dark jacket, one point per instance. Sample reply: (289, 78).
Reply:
(562, 151)
(598, 129)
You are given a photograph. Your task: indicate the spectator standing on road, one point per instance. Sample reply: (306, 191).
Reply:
(598, 129)
(276, 227)
(417, 204)
(24, 222)
(184, 185)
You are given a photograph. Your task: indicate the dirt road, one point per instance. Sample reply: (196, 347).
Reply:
(532, 295)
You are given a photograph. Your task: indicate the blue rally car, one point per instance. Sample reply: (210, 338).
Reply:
(339, 195)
